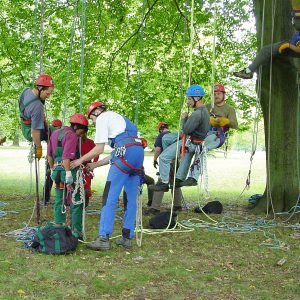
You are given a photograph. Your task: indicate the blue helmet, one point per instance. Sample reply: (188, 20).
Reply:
(195, 90)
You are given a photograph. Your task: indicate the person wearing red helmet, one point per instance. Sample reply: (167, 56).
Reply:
(31, 107)
(62, 149)
(222, 117)
(126, 171)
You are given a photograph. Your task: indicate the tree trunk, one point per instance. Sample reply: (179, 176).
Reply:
(279, 111)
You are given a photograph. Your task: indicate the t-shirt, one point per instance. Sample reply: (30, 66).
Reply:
(197, 124)
(158, 141)
(87, 146)
(69, 143)
(35, 110)
(226, 111)
(108, 125)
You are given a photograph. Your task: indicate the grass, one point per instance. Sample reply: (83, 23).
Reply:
(202, 264)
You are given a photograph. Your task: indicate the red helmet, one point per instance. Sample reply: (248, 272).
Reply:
(93, 106)
(79, 119)
(161, 125)
(57, 123)
(45, 80)
(219, 88)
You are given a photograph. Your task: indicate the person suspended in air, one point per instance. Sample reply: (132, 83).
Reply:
(195, 128)
(222, 118)
(126, 170)
(31, 107)
(62, 149)
(284, 48)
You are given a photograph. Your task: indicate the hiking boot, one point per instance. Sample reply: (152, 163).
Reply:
(150, 211)
(101, 243)
(243, 74)
(160, 186)
(177, 183)
(189, 182)
(124, 242)
(177, 208)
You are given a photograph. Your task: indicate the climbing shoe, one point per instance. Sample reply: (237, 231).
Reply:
(150, 211)
(177, 183)
(243, 74)
(101, 243)
(160, 186)
(124, 242)
(189, 182)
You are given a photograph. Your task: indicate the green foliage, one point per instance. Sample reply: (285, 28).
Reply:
(112, 47)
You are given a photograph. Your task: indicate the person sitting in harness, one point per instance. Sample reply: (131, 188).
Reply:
(222, 117)
(195, 128)
(126, 170)
(31, 107)
(62, 149)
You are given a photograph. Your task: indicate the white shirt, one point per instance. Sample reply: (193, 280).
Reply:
(108, 125)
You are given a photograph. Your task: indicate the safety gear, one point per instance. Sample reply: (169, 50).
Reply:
(93, 106)
(69, 177)
(195, 90)
(79, 119)
(214, 122)
(162, 125)
(224, 121)
(56, 123)
(126, 243)
(243, 74)
(38, 152)
(155, 164)
(101, 243)
(45, 80)
(144, 143)
(219, 88)
(283, 47)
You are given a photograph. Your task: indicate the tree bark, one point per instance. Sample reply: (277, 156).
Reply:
(279, 79)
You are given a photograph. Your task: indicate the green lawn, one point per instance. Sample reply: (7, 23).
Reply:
(202, 264)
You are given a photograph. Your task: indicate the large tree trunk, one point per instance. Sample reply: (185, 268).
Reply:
(280, 113)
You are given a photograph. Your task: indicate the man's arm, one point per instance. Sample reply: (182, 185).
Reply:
(36, 136)
(50, 161)
(157, 152)
(232, 118)
(192, 123)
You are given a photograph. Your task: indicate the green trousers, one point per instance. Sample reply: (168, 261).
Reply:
(76, 210)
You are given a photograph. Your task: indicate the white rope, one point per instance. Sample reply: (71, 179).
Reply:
(139, 217)
(79, 187)
(214, 56)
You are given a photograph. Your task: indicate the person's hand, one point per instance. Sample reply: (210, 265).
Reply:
(155, 164)
(38, 152)
(75, 163)
(224, 121)
(91, 166)
(283, 47)
(69, 177)
(184, 115)
(214, 122)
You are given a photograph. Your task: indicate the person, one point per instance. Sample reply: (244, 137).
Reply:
(126, 169)
(222, 117)
(195, 127)
(31, 106)
(158, 146)
(62, 149)
(284, 48)
(86, 146)
(55, 124)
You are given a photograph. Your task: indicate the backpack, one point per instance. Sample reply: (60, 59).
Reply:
(54, 240)
(161, 220)
(213, 207)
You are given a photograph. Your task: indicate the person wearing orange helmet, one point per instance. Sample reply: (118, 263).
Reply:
(32, 117)
(222, 117)
(126, 171)
(62, 149)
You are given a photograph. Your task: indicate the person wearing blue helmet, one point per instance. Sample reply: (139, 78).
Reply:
(194, 128)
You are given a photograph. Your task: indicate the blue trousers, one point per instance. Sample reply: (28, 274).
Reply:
(116, 180)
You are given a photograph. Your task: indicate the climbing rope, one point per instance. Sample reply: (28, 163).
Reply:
(213, 56)
(83, 19)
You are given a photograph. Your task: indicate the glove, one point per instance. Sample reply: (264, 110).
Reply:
(283, 47)
(69, 177)
(38, 152)
(155, 164)
(214, 122)
(224, 121)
